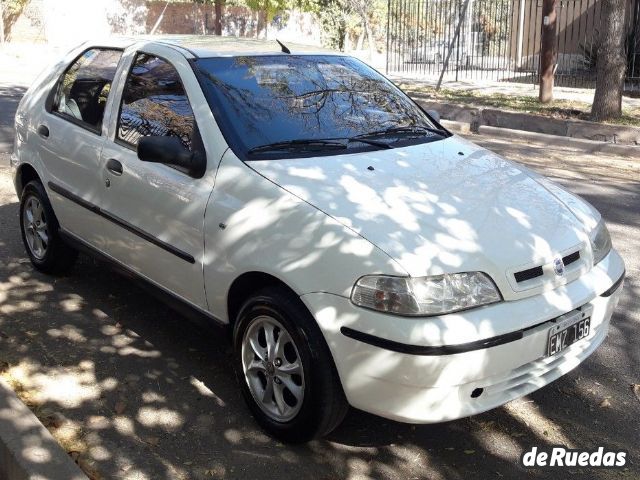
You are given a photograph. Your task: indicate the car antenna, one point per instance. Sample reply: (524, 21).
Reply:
(285, 49)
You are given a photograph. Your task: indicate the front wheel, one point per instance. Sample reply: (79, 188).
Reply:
(285, 369)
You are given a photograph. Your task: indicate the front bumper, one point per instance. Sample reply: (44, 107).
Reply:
(431, 387)
(13, 165)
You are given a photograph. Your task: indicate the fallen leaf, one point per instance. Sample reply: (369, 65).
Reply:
(153, 441)
(605, 403)
(88, 466)
(55, 420)
(566, 391)
(636, 389)
(74, 454)
(120, 407)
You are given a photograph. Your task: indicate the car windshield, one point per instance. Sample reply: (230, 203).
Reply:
(284, 106)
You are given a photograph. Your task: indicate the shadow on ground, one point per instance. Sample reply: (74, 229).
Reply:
(132, 390)
(9, 99)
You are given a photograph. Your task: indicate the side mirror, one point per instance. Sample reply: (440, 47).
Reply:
(434, 114)
(171, 151)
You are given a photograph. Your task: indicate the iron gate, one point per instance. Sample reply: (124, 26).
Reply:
(500, 40)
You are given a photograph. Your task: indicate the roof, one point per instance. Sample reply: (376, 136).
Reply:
(215, 46)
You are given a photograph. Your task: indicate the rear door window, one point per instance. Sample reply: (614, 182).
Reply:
(83, 90)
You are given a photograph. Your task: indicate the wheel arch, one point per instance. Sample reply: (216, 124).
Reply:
(25, 173)
(246, 285)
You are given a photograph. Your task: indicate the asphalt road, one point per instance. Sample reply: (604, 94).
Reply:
(134, 391)
(10, 96)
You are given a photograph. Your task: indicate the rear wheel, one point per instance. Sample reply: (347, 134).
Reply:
(39, 227)
(285, 369)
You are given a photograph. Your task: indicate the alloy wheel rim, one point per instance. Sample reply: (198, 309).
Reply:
(35, 227)
(273, 368)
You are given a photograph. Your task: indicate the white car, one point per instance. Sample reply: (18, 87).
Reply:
(359, 253)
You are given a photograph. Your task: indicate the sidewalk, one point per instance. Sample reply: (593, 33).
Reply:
(20, 64)
(489, 87)
(27, 449)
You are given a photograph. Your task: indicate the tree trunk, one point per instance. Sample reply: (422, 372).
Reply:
(262, 23)
(1, 23)
(347, 43)
(360, 42)
(548, 50)
(611, 63)
(217, 26)
(372, 42)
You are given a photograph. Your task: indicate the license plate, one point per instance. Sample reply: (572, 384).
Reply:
(570, 328)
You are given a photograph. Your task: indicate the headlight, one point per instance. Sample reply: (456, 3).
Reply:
(600, 242)
(434, 295)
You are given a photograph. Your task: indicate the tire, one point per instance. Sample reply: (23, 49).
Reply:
(320, 404)
(39, 227)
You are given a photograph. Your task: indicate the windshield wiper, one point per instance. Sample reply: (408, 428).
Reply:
(301, 144)
(402, 130)
(375, 143)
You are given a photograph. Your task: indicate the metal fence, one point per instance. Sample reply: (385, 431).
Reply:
(500, 40)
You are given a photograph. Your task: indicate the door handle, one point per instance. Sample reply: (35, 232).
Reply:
(114, 166)
(43, 131)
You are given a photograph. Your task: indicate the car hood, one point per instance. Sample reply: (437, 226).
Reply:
(443, 207)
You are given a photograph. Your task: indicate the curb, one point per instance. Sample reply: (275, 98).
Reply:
(458, 127)
(27, 449)
(572, 128)
(591, 146)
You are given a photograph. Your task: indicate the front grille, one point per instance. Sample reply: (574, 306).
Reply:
(535, 272)
(525, 275)
(572, 257)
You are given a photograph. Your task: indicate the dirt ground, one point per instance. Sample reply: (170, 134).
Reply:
(133, 391)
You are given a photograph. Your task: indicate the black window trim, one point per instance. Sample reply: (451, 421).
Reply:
(52, 93)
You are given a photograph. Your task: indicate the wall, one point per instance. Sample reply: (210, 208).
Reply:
(67, 22)
(63, 23)
(28, 25)
(196, 18)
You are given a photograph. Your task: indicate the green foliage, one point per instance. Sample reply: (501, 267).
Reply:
(342, 19)
(334, 21)
(272, 7)
(12, 7)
